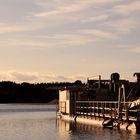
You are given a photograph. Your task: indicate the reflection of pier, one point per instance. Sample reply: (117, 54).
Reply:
(72, 130)
(65, 127)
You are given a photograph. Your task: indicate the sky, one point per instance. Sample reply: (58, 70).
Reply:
(68, 40)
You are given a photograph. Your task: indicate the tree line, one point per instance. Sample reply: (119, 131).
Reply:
(11, 92)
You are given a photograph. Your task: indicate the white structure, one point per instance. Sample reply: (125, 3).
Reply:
(64, 102)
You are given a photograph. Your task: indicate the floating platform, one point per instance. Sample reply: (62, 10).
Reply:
(113, 103)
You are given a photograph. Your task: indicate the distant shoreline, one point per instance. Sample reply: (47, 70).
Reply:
(53, 102)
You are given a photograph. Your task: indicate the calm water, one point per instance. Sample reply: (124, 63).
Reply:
(38, 122)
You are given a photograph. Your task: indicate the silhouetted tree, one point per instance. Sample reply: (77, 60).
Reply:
(11, 92)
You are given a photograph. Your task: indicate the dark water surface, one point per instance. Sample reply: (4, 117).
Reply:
(38, 122)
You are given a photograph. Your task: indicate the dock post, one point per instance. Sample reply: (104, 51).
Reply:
(137, 123)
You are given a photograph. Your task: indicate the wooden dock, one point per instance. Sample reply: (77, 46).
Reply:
(109, 111)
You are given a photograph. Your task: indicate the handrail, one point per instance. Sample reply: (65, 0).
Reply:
(96, 101)
(107, 102)
(122, 110)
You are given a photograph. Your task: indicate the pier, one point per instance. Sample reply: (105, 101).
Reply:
(108, 109)
(112, 113)
(113, 103)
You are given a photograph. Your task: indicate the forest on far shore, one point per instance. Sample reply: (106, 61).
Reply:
(11, 92)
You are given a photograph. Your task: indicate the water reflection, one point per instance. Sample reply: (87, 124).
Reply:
(29, 126)
(76, 131)
(27, 122)
(38, 122)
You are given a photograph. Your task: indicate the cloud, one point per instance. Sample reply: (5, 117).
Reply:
(64, 7)
(20, 27)
(135, 49)
(122, 26)
(52, 40)
(18, 76)
(128, 8)
(131, 48)
(22, 76)
(69, 39)
(35, 77)
(98, 33)
(95, 19)
(64, 31)
(11, 28)
(72, 39)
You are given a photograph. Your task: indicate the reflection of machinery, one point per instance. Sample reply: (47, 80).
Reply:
(66, 128)
(63, 128)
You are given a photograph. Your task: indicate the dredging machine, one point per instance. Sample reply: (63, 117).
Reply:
(113, 103)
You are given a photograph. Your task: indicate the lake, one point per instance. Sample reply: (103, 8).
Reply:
(38, 122)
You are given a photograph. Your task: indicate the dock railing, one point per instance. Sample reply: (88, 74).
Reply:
(108, 109)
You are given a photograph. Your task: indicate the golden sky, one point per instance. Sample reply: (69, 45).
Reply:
(65, 40)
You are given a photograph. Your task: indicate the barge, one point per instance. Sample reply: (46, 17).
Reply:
(113, 103)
